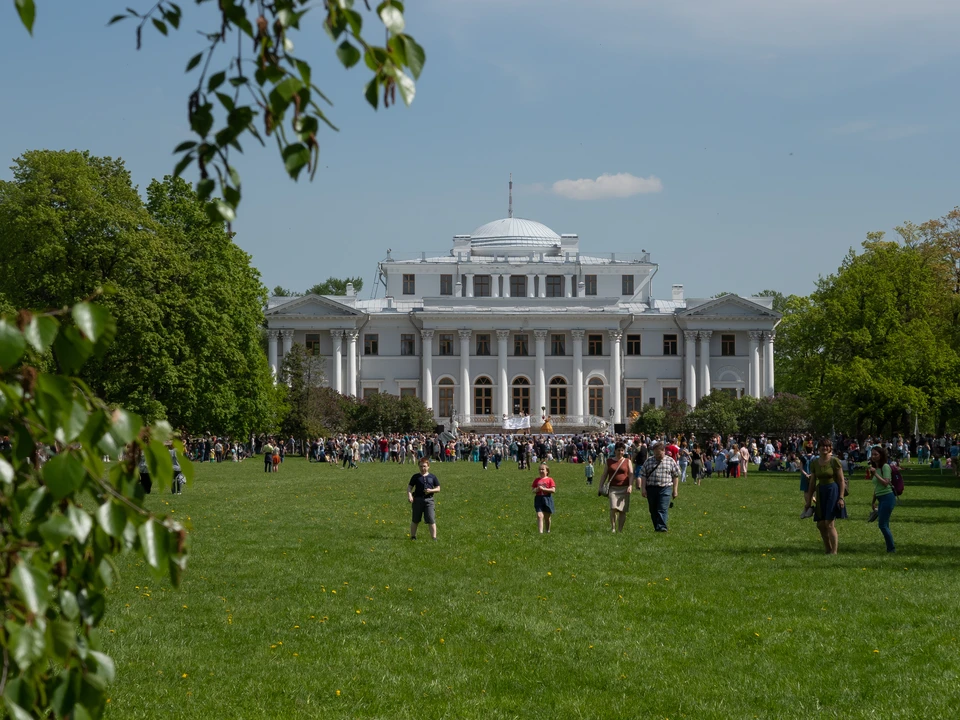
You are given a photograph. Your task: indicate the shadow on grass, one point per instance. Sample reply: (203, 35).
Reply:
(929, 503)
(876, 550)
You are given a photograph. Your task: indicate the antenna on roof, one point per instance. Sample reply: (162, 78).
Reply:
(510, 204)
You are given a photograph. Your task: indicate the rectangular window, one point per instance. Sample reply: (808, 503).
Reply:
(589, 284)
(728, 345)
(409, 285)
(446, 284)
(554, 285)
(481, 286)
(408, 392)
(445, 400)
(371, 345)
(670, 395)
(595, 345)
(729, 392)
(557, 345)
(446, 344)
(521, 346)
(483, 344)
(408, 344)
(627, 285)
(633, 344)
(518, 286)
(463, 285)
(368, 391)
(312, 343)
(634, 400)
(669, 344)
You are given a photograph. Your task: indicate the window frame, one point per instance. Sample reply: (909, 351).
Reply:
(521, 282)
(409, 284)
(671, 342)
(674, 395)
(445, 344)
(521, 341)
(591, 340)
(483, 396)
(311, 342)
(634, 345)
(482, 286)
(589, 285)
(728, 345)
(446, 396)
(410, 338)
(371, 344)
(558, 341)
(483, 343)
(554, 286)
(446, 284)
(627, 284)
(635, 394)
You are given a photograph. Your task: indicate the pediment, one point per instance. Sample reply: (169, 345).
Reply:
(313, 306)
(730, 306)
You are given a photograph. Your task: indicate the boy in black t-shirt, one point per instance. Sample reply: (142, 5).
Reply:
(423, 486)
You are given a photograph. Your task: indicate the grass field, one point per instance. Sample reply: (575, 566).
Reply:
(305, 598)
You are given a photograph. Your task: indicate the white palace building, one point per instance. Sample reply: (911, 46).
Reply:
(517, 320)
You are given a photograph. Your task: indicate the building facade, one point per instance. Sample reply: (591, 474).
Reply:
(516, 320)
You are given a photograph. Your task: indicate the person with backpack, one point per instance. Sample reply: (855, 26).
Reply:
(884, 496)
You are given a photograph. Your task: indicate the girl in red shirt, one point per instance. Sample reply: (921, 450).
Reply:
(543, 488)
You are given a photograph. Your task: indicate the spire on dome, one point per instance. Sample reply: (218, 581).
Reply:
(510, 202)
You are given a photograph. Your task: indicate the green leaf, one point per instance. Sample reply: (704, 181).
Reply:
(408, 89)
(74, 421)
(32, 585)
(56, 530)
(68, 604)
(105, 665)
(205, 188)
(91, 319)
(354, 19)
(28, 647)
(63, 475)
(393, 18)
(41, 331)
(12, 345)
(27, 12)
(216, 80)
(183, 164)
(6, 471)
(112, 519)
(295, 158)
(288, 88)
(194, 61)
(116, 19)
(161, 431)
(160, 25)
(71, 349)
(125, 426)
(184, 146)
(153, 543)
(219, 211)
(80, 523)
(348, 54)
(18, 695)
(415, 56)
(372, 93)
(159, 462)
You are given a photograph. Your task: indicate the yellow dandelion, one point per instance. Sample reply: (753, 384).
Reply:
(549, 574)
(358, 612)
(757, 634)
(876, 651)
(184, 675)
(441, 641)
(296, 654)
(184, 607)
(338, 693)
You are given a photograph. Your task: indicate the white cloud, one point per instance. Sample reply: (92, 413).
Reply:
(620, 185)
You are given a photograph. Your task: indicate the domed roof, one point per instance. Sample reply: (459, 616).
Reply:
(513, 236)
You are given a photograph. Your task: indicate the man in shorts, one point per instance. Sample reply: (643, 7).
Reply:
(423, 486)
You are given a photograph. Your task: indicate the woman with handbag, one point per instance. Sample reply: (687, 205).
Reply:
(616, 484)
(827, 481)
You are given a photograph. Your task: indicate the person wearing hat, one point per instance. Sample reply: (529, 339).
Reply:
(658, 483)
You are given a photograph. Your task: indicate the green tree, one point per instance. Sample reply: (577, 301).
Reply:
(63, 519)
(271, 92)
(779, 299)
(336, 286)
(303, 374)
(715, 413)
(649, 421)
(280, 291)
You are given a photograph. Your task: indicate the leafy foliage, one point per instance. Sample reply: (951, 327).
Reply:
(303, 375)
(381, 412)
(57, 546)
(269, 92)
(187, 302)
(336, 286)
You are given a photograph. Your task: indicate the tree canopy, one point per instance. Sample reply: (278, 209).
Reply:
(187, 303)
(336, 286)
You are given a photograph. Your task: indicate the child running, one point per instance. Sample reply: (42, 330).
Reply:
(543, 487)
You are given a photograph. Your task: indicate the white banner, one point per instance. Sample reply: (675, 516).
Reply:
(516, 423)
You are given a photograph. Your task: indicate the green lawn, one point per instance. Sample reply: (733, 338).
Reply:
(305, 598)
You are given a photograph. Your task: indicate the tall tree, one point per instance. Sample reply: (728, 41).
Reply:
(336, 286)
(303, 375)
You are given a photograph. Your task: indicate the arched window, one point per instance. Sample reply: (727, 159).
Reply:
(595, 396)
(521, 395)
(445, 397)
(483, 396)
(558, 395)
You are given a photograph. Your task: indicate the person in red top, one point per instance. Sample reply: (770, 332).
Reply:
(673, 450)
(384, 449)
(543, 489)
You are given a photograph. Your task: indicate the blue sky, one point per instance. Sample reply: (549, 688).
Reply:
(750, 142)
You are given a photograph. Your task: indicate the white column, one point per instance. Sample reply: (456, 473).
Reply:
(754, 380)
(503, 337)
(615, 336)
(337, 336)
(768, 386)
(469, 284)
(466, 405)
(568, 283)
(287, 341)
(530, 284)
(495, 285)
(540, 372)
(690, 365)
(578, 390)
(543, 285)
(272, 350)
(426, 374)
(704, 388)
(351, 361)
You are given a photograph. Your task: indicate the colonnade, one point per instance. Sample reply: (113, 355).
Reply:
(536, 284)
(697, 380)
